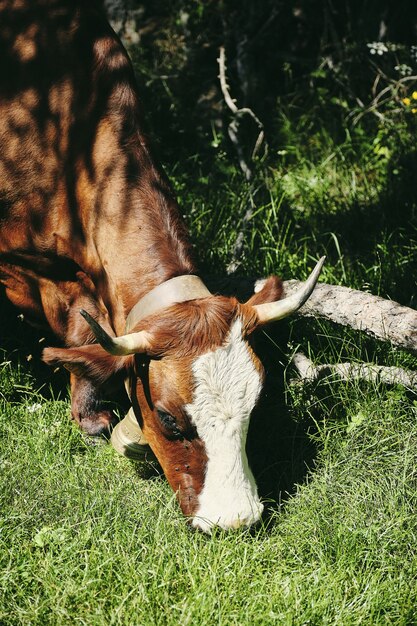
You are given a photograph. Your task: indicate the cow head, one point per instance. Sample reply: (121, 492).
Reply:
(194, 380)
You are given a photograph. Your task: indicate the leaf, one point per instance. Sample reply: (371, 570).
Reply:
(355, 421)
(48, 535)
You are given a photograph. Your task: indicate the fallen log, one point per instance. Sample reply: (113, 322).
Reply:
(382, 319)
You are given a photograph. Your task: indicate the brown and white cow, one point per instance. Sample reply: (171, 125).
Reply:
(89, 222)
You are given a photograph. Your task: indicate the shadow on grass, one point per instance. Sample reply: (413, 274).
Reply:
(280, 448)
(22, 346)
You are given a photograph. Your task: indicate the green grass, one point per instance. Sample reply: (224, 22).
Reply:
(88, 537)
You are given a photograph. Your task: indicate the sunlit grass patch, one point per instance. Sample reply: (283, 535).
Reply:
(86, 538)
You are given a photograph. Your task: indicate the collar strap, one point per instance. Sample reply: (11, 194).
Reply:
(178, 289)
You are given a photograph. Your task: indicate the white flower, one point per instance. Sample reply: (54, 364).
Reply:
(377, 47)
(34, 407)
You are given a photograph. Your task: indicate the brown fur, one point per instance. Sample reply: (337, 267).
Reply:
(166, 383)
(88, 219)
(270, 292)
(77, 178)
(91, 361)
(195, 327)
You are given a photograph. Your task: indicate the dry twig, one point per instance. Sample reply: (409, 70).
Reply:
(238, 114)
(233, 131)
(383, 319)
(308, 372)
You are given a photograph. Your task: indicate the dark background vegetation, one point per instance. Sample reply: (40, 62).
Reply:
(329, 101)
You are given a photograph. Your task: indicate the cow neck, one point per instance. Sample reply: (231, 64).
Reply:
(173, 291)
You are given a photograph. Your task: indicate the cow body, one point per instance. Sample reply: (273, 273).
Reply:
(88, 221)
(73, 151)
(76, 228)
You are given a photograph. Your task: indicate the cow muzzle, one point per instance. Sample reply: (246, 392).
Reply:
(230, 506)
(246, 517)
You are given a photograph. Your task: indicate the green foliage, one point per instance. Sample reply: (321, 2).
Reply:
(338, 177)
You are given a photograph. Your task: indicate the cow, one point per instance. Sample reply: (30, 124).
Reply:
(89, 224)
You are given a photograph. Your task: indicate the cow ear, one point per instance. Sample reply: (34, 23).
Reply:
(267, 290)
(91, 361)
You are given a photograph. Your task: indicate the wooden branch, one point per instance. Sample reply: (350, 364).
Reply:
(233, 128)
(223, 82)
(308, 372)
(384, 320)
(233, 131)
(238, 113)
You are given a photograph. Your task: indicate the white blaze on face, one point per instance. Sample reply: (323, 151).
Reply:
(227, 386)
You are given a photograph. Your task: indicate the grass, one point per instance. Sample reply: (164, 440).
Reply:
(86, 538)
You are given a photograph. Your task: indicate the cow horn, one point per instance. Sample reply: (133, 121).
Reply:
(118, 346)
(274, 311)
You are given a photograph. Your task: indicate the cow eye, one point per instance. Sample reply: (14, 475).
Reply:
(169, 422)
